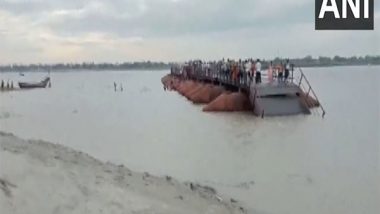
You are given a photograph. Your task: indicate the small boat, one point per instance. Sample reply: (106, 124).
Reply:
(41, 84)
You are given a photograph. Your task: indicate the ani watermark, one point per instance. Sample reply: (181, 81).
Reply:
(344, 14)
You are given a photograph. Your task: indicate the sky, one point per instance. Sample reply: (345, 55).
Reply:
(53, 31)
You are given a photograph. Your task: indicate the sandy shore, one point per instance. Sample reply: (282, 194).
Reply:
(41, 177)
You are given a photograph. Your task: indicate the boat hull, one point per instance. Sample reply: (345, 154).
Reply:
(41, 84)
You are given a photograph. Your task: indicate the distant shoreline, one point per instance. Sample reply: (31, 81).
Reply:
(157, 69)
(83, 70)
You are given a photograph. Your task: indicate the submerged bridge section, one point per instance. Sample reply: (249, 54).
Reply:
(271, 97)
(276, 99)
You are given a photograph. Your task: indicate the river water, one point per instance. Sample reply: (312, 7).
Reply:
(296, 165)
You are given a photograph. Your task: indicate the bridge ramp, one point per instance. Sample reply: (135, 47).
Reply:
(277, 99)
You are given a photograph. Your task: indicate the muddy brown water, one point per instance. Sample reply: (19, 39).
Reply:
(299, 164)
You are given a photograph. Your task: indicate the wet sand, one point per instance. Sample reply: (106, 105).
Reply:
(42, 177)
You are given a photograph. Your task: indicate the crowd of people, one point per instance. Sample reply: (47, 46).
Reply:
(236, 71)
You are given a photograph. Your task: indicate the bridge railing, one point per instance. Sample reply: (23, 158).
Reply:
(214, 73)
(303, 83)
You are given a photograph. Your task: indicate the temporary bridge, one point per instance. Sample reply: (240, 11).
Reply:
(271, 97)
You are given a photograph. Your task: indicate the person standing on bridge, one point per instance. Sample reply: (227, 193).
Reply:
(270, 72)
(224, 70)
(253, 70)
(247, 67)
(204, 73)
(287, 69)
(229, 69)
(280, 74)
(258, 71)
(241, 71)
(235, 72)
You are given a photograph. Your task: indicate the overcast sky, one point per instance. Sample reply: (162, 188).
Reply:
(48, 31)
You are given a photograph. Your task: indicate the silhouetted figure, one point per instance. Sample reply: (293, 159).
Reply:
(8, 84)
(2, 84)
(280, 72)
(12, 85)
(287, 69)
(121, 87)
(114, 85)
(192, 187)
(258, 71)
